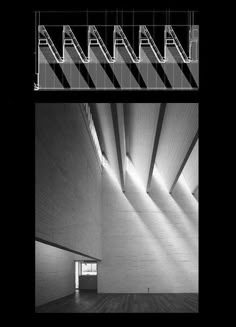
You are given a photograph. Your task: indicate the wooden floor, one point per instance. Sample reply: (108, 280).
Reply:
(105, 303)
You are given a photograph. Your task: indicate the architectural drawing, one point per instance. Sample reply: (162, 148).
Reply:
(123, 69)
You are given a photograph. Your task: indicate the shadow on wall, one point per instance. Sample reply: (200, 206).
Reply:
(181, 195)
(169, 230)
(149, 240)
(184, 222)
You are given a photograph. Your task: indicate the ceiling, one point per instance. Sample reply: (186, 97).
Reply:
(152, 135)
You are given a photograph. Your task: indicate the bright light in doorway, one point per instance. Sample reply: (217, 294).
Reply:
(89, 268)
(76, 274)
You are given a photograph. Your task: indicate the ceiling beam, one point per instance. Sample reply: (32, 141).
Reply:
(118, 120)
(38, 239)
(95, 114)
(184, 161)
(156, 142)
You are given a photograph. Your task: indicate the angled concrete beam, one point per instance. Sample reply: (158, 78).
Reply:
(38, 239)
(184, 160)
(119, 130)
(156, 142)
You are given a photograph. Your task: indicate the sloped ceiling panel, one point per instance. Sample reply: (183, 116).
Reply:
(179, 128)
(190, 171)
(105, 129)
(121, 127)
(141, 122)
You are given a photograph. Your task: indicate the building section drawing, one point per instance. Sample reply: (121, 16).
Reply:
(97, 68)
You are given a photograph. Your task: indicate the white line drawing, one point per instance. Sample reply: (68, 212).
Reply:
(121, 70)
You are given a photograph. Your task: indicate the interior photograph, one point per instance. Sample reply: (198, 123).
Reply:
(116, 207)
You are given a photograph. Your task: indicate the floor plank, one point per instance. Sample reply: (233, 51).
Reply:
(127, 303)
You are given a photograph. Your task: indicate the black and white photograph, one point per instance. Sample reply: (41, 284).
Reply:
(116, 207)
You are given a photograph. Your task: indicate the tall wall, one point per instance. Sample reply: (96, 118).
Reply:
(150, 241)
(68, 180)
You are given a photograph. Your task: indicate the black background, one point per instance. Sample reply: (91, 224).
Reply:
(20, 160)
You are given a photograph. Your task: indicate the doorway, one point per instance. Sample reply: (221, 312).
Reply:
(86, 276)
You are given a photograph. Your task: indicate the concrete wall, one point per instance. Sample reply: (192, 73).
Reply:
(54, 273)
(149, 240)
(68, 180)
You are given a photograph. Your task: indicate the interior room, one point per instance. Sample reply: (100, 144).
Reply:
(116, 207)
